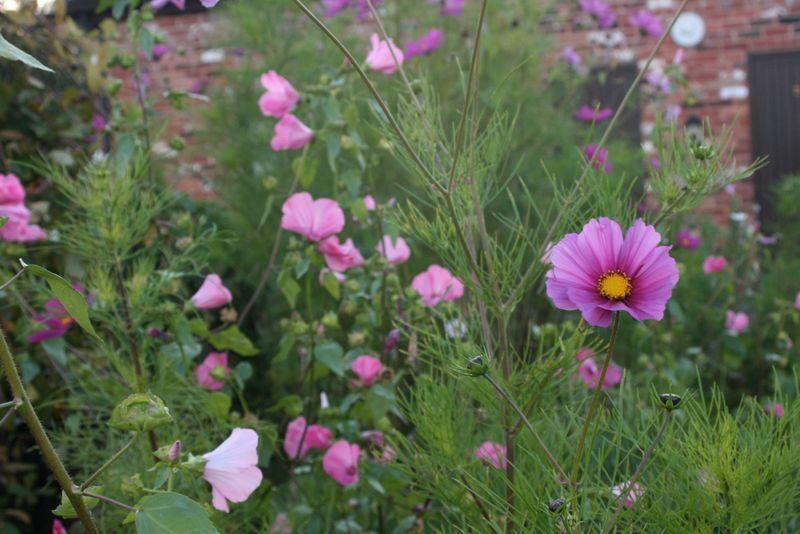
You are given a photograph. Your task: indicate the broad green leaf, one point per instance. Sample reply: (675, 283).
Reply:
(331, 355)
(71, 299)
(7, 50)
(172, 513)
(289, 287)
(331, 284)
(233, 339)
(284, 346)
(217, 404)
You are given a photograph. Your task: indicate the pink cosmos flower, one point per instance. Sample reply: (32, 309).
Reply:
(571, 56)
(437, 284)
(232, 468)
(493, 454)
(714, 264)
(647, 23)
(736, 321)
(314, 219)
(635, 491)
(341, 462)
(212, 294)
(58, 527)
(290, 134)
(688, 239)
(775, 409)
(601, 160)
(589, 371)
(369, 203)
(340, 257)
(381, 57)
(598, 272)
(451, 8)
(600, 10)
(55, 319)
(589, 114)
(159, 51)
(333, 7)
(203, 371)
(301, 438)
(11, 190)
(395, 251)
(427, 44)
(158, 4)
(368, 369)
(280, 98)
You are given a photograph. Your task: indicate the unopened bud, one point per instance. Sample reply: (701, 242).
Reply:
(702, 152)
(174, 451)
(556, 504)
(477, 366)
(140, 412)
(670, 400)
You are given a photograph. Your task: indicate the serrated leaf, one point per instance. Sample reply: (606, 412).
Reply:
(72, 300)
(9, 51)
(233, 339)
(172, 513)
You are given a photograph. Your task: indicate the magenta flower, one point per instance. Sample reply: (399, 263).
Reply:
(290, 134)
(571, 56)
(11, 190)
(158, 4)
(368, 369)
(647, 23)
(600, 10)
(99, 123)
(12, 206)
(635, 491)
(314, 219)
(437, 284)
(425, 45)
(599, 161)
(363, 10)
(58, 527)
(56, 320)
(301, 438)
(492, 454)
(736, 321)
(598, 272)
(341, 462)
(214, 366)
(15, 232)
(369, 203)
(714, 264)
(589, 372)
(396, 251)
(688, 239)
(450, 8)
(382, 55)
(333, 7)
(775, 409)
(159, 51)
(280, 98)
(212, 294)
(232, 468)
(340, 257)
(589, 114)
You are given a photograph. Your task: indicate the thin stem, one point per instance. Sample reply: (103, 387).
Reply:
(596, 398)
(638, 472)
(7, 415)
(9, 404)
(503, 393)
(475, 498)
(51, 458)
(109, 500)
(109, 463)
(10, 280)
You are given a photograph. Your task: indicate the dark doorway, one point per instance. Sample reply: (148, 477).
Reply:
(607, 88)
(774, 121)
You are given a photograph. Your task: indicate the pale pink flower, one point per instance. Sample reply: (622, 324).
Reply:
(493, 454)
(589, 371)
(736, 321)
(381, 57)
(232, 468)
(203, 371)
(314, 219)
(368, 369)
(212, 294)
(396, 251)
(11, 190)
(714, 264)
(341, 462)
(18, 228)
(311, 437)
(280, 98)
(369, 203)
(290, 134)
(340, 256)
(677, 59)
(635, 491)
(437, 284)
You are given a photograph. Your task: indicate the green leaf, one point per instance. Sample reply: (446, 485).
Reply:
(306, 169)
(331, 355)
(284, 346)
(244, 371)
(233, 339)
(331, 284)
(289, 287)
(7, 50)
(67, 511)
(71, 299)
(167, 513)
(217, 404)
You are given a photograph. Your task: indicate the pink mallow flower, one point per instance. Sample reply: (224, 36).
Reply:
(290, 134)
(600, 160)
(214, 366)
(341, 462)
(647, 23)
(280, 98)
(11, 190)
(775, 409)
(369, 203)
(301, 438)
(396, 251)
(314, 219)
(714, 264)
(427, 44)
(437, 284)
(599, 273)
(492, 454)
(736, 321)
(212, 294)
(688, 239)
(589, 114)
(12, 206)
(382, 55)
(368, 369)
(232, 468)
(589, 371)
(340, 257)
(633, 491)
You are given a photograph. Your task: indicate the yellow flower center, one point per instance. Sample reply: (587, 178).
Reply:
(615, 285)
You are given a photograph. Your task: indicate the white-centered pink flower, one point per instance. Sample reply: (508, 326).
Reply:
(384, 56)
(314, 219)
(232, 468)
(280, 98)
(395, 250)
(436, 285)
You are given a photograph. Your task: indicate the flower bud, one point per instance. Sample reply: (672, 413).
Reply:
(174, 451)
(140, 412)
(356, 339)
(391, 340)
(347, 142)
(702, 152)
(670, 401)
(330, 320)
(219, 373)
(556, 504)
(269, 183)
(477, 366)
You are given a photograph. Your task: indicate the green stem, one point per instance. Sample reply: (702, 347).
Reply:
(9, 404)
(10, 280)
(49, 453)
(109, 500)
(109, 463)
(595, 399)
